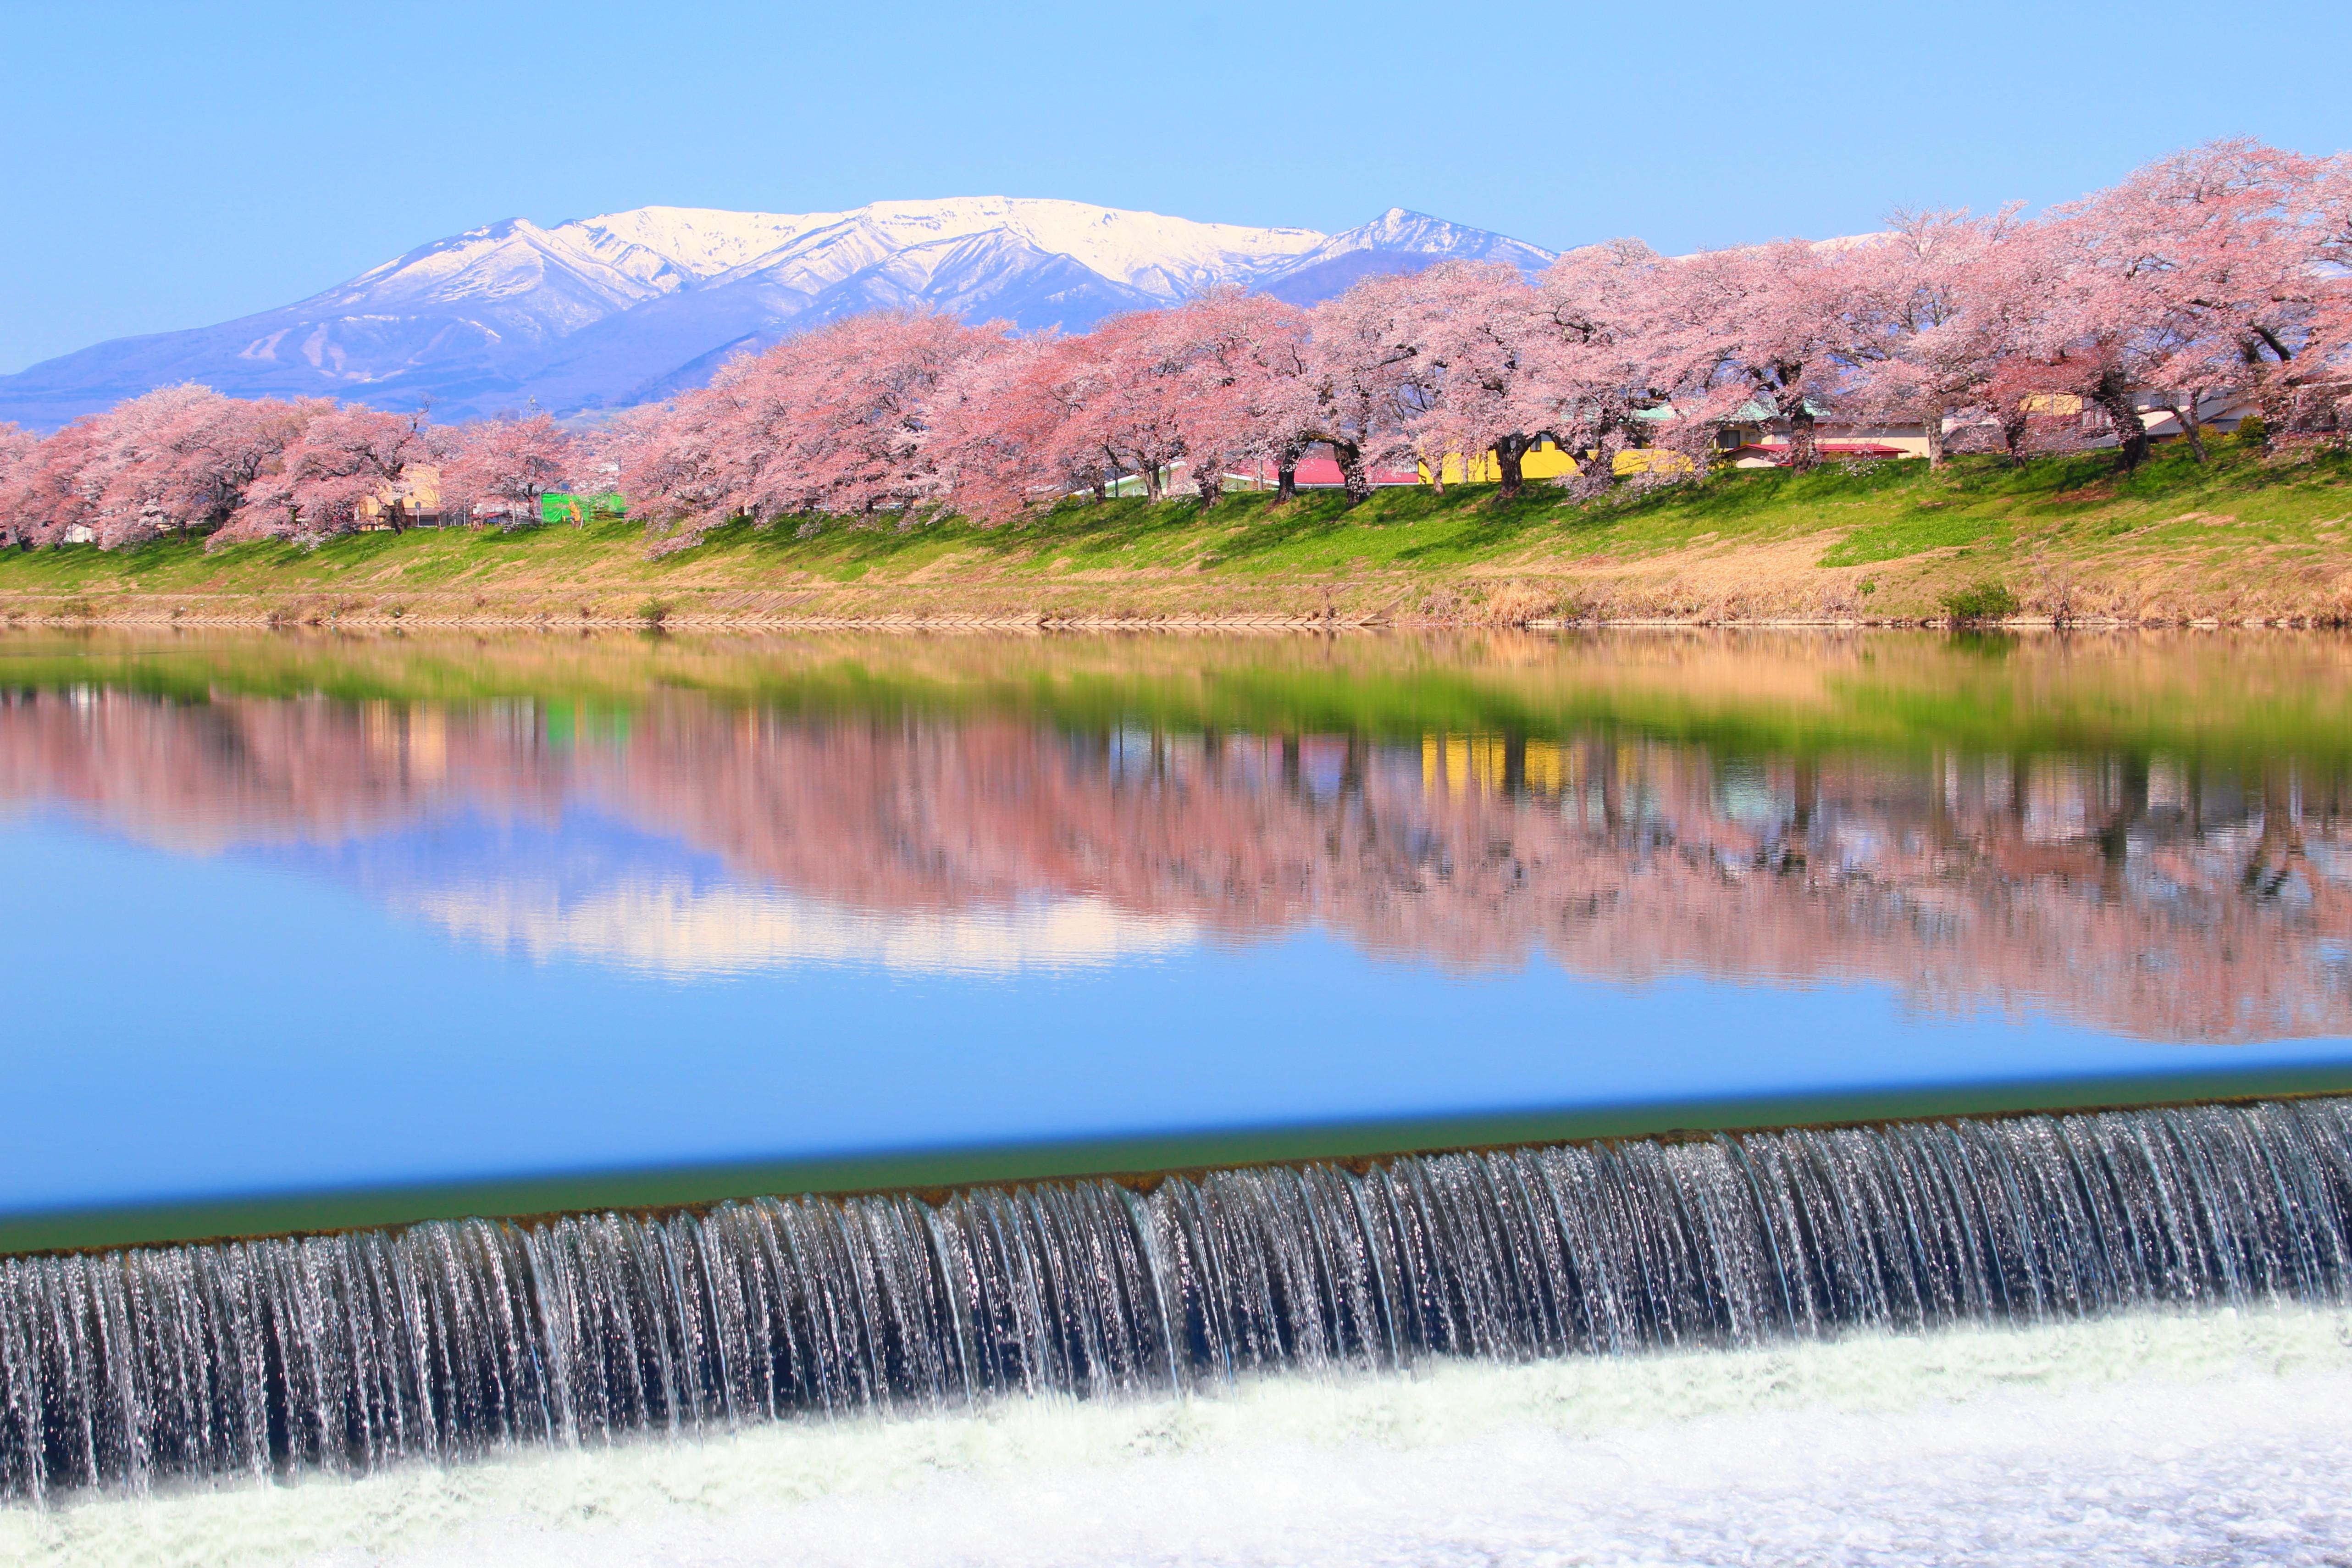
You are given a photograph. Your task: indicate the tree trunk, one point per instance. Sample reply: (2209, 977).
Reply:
(1355, 479)
(1788, 403)
(1600, 466)
(1286, 475)
(2273, 398)
(1804, 449)
(2015, 424)
(1209, 479)
(1510, 457)
(1151, 489)
(2115, 399)
(1932, 424)
(2188, 427)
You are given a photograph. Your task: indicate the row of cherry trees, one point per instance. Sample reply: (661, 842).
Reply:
(2215, 277)
(186, 459)
(2209, 278)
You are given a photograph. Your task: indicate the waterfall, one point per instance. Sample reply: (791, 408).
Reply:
(344, 1352)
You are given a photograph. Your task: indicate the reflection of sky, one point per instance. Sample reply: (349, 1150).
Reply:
(283, 1021)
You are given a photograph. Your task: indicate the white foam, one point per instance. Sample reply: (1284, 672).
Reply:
(2153, 1438)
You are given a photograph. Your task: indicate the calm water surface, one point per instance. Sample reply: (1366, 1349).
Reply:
(314, 931)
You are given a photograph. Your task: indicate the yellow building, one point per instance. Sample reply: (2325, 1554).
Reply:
(418, 492)
(1547, 461)
(1544, 461)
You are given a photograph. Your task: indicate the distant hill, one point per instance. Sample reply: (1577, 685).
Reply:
(605, 312)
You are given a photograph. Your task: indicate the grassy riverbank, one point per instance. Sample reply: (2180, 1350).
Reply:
(2236, 538)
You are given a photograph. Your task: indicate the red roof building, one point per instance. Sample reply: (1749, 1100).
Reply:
(1776, 453)
(1322, 472)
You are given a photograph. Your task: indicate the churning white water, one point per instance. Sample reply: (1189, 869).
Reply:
(447, 1341)
(2114, 1337)
(2209, 1436)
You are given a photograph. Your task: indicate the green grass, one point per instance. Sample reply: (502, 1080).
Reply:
(1981, 602)
(1899, 537)
(2184, 694)
(2235, 525)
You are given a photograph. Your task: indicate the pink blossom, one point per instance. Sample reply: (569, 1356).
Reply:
(51, 489)
(2215, 277)
(508, 462)
(345, 465)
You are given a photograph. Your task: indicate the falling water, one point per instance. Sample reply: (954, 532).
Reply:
(344, 1352)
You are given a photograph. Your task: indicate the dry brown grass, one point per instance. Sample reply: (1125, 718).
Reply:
(1516, 604)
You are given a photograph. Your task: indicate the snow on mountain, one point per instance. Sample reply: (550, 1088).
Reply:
(602, 313)
(1419, 233)
(1396, 241)
(700, 241)
(586, 268)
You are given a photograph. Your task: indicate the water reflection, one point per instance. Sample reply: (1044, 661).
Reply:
(2149, 842)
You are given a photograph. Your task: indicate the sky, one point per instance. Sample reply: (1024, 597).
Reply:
(169, 166)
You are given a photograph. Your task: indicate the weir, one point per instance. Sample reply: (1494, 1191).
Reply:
(345, 1352)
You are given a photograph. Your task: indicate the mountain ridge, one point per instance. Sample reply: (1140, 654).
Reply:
(605, 311)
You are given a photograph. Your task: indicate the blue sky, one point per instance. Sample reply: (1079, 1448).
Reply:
(165, 166)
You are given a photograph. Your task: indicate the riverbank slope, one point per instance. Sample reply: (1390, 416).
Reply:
(2244, 536)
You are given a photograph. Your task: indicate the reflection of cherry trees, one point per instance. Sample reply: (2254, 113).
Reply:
(2147, 894)
(199, 778)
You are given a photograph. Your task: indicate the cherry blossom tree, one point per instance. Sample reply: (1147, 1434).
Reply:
(2320, 390)
(1945, 301)
(831, 422)
(1239, 355)
(2199, 273)
(864, 401)
(185, 457)
(511, 461)
(1364, 377)
(1259, 404)
(1478, 334)
(1599, 369)
(346, 464)
(51, 489)
(18, 449)
(2241, 277)
(1772, 327)
(675, 461)
(995, 438)
(1199, 382)
(1123, 387)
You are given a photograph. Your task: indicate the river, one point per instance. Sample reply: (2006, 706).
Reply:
(661, 1096)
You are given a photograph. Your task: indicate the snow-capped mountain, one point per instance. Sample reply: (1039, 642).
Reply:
(607, 311)
(1396, 241)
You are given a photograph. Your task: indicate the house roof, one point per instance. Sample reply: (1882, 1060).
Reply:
(1777, 451)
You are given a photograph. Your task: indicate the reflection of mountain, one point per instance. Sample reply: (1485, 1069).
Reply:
(589, 884)
(676, 928)
(2149, 895)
